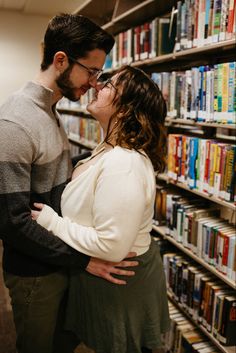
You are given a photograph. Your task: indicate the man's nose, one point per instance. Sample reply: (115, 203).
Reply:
(97, 85)
(93, 82)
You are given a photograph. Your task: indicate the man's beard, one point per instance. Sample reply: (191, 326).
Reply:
(66, 86)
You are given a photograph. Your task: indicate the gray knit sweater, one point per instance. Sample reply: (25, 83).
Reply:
(34, 167)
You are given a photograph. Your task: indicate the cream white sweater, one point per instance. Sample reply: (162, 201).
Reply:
(107, 209)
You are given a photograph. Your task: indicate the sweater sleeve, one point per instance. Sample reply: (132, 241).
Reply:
(118, 210)
(17, 229)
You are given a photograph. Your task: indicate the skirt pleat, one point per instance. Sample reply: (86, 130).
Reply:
(113, 318)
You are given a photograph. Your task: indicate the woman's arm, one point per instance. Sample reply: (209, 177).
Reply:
(118, 210)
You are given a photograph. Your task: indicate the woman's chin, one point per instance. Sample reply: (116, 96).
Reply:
(88, 107)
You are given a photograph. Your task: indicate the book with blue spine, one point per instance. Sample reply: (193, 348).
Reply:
(231, 93)
(192, 180)
(201, 93)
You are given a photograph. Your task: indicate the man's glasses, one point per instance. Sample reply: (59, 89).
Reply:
(107, 83)
(93, 73)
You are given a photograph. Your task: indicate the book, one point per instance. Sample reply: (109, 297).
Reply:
(195, 236)
(144, 41)
(218, 297)
(192, 162)
(231, 19)
(231, 265)
(228, 322)
(216, 20)
(137, 47)
(190, 338)
(223, 19)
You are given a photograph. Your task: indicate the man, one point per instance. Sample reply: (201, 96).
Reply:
(35, 167)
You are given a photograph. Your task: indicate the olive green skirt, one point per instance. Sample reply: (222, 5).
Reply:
(113, 318)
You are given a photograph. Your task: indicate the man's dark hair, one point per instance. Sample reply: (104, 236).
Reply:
(75, 35)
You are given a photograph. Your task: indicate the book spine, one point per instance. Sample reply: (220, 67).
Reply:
(231, 93)
(192, 162)
(225, 254)
(209, 34)
(219, 92)
(154, 38)
(227, 329)
(225, 92)
(223, 19)
(229, 183)
(137, 46)
(231, 257)
(207, 19)
(216, 20)
(231, 19)
(178, 26)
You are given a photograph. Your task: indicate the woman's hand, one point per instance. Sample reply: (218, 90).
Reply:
(35, 214)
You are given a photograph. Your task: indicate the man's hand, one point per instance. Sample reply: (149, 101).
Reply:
(105, 269)
(35, 213)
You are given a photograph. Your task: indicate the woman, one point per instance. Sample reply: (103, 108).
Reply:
(107, 211)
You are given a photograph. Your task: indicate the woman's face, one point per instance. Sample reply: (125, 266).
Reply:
(102, 107)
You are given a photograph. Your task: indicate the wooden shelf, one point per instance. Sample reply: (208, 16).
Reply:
(196, 123)
(188, 58)
(118, 15)
(224, 349)
(74, 111)
(136, 15)
(226, 137)
(99, 13)
(199, 193)
(162, 231)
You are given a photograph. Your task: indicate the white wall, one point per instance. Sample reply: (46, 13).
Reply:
(20, 55)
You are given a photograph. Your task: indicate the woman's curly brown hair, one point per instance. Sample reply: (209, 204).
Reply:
(140, 115)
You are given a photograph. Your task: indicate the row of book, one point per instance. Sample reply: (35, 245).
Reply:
(203, 164)
(184, 337)
(202, 22)
(207, 300)
(148, 40)
(83, 129)
(204, 94)
(197, 23)
(198, 228)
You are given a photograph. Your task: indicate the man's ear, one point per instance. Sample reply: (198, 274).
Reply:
(60, 61)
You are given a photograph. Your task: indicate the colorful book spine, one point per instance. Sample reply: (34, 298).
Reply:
(192, 162)
(231, 93)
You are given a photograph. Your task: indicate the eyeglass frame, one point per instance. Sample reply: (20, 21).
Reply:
(104, 84)
(93, 73)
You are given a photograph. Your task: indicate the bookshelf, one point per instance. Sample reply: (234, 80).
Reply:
(73, 138)
(197, 55)
(74, 111)
(118, 16)
(82, 129)
(202, 328)
(229, 205)
(162, 230)
(171, 121)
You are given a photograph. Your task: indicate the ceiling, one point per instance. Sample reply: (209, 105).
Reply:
(41, 7)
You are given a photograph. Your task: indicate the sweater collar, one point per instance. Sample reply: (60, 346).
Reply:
(41, 95)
